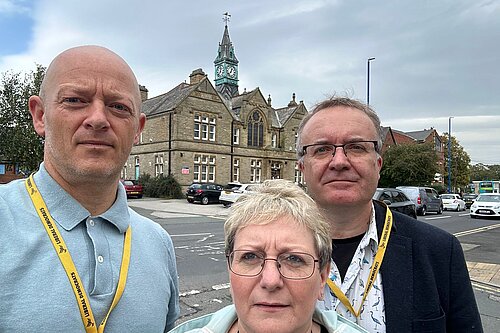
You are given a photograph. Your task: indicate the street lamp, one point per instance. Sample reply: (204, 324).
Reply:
(449, 154)
(368, 81)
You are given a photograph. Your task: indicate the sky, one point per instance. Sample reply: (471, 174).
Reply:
(433, 59)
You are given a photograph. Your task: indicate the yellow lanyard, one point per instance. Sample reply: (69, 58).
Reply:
(379, 257)
(63, 253)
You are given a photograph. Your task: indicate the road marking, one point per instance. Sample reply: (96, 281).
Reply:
(205, 238)
(438, 217)
(475, 231)
(486, 287)
(214, 259)
(188, 235)
(464, 214)
(189, 293)
(221, 286)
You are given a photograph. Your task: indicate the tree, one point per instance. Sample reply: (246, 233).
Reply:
(409, 164)
(19, 142)
(484, 172)
(460, 164)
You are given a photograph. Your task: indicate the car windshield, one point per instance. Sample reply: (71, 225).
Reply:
(128, 183)
(488, 198)
(447, 196)
(232, 186)
(193, 186)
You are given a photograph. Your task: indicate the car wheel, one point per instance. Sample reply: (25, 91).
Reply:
(440, 210)
(204, 200)
(226, 204)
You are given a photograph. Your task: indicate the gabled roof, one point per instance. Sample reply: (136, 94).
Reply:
(167, 101)
(420, 135)
(281, 115)
(402, 133)
(237, 102)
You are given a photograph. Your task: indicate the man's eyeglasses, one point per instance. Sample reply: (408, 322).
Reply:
(354, 149)
(291, 265)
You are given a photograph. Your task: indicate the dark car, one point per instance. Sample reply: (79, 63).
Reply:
(426, 199)
(396, 200)
(469, 199)
(204, 193)
(132, 188)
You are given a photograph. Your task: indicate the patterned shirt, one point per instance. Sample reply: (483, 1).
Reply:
(372, 316)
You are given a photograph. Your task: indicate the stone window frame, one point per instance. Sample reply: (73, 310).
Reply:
(236, 170)
(255, 129)
(255, 170)
(204, 168)
(205, 127)
(158, 164)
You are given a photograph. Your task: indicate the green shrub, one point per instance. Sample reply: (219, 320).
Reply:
(161, 186)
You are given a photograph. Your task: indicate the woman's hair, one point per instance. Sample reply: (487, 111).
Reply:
(274, 199)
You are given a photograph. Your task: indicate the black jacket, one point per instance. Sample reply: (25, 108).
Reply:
(425, 279)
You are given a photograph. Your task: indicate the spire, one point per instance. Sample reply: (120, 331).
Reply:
(226, 65)
(226, 49)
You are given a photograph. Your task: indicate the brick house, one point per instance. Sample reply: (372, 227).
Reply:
(416, 137)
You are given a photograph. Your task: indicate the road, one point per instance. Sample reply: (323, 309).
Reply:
(198, 236)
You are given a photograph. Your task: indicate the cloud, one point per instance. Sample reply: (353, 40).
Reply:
(13, 7)
(433, 59)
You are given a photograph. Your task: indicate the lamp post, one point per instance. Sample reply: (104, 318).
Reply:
(368, 81)
(449, 154)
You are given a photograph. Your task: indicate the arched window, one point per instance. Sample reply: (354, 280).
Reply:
(255, 130)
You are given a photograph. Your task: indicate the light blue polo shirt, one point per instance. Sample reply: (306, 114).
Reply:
(35, 293)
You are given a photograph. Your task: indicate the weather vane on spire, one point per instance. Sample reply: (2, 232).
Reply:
(226, 17)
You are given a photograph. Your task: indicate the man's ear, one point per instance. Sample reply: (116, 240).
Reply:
(142, 122)
(37, 111)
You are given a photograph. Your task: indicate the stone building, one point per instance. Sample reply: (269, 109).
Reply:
(204, 132)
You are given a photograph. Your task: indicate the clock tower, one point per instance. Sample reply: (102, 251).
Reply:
(226, 66)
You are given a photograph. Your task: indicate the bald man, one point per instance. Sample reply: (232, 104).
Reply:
(74, 257)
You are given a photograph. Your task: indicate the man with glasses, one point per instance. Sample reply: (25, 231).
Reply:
(390, 273)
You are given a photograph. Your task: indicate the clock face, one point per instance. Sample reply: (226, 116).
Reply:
(220, 70)
(231, 71)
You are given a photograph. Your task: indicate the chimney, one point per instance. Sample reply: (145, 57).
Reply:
(144, 92)
(292, 102)
(196, 76)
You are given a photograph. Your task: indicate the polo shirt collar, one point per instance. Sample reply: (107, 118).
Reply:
(68, 212)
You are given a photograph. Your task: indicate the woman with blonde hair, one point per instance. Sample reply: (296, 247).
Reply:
(278, 250)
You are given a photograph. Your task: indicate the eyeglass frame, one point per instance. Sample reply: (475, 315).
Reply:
(304, 148)
(278, 264)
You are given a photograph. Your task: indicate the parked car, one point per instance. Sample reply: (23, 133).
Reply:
(132, 187)
(426, 199)
(396, 200)
(204, 193)
(469, 199)
(486, 204)
(233, 191)
(453, 202)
